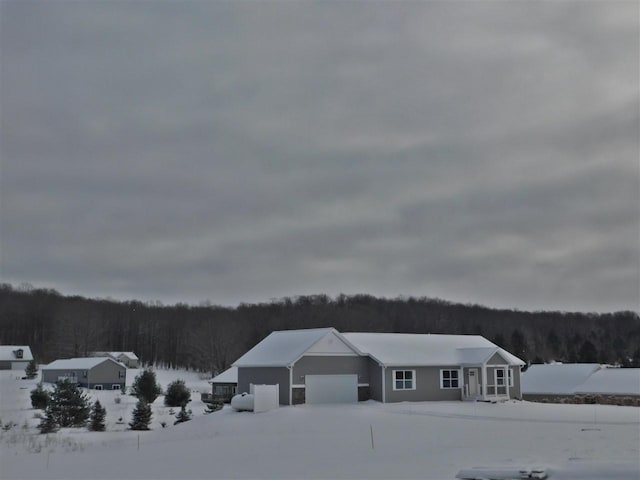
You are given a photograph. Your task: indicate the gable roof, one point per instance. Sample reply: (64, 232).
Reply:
(7, 353)
(230, 375)
(413, 349)
(131, 355)
(283, 348)
(85, 363)
(613, 381)
(556, 378)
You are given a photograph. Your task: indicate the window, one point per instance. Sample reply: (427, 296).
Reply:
(510, 374)
(84, 374)
(115, 386)
(404, 379)
(449, 379)
(98, 387)
(121, 374)
(501, 386)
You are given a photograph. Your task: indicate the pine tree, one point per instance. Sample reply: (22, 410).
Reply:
(96, 419)
(31, 371)
(182, 416)
(141, 416)
(145, 387)
(68, 405)
(39, 398)
(48, 424)
(178, 395)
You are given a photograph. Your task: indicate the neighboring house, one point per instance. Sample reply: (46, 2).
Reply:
(224, 385)
(99, 373)
(556, 381)
(128, 359)
(326, 366)
(14, 357)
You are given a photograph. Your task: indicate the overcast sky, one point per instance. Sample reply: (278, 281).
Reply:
(184, 151)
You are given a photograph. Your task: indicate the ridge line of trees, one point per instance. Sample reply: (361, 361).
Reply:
(209, 338)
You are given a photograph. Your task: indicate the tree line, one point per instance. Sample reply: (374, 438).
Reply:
(209, 338)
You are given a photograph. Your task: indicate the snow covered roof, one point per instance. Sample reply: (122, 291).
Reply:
(282, 348)
(230, 375)
(612, 381)
(410, 349)
(557, 378)
(131, 355)
(85, 363)
(8, 353)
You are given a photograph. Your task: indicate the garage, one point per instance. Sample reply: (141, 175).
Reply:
(331, 389)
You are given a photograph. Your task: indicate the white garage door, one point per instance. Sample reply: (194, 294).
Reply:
(331, 388)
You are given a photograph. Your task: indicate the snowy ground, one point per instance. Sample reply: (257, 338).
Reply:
(431, 440)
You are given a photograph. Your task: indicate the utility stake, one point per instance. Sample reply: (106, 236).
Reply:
(372, 446)
(138, 441)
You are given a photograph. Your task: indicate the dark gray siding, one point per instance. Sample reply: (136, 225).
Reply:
(330, 365)
(265, 376)
(427, 386)
(375, 380)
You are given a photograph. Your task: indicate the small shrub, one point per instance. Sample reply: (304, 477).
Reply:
(117, 400)
(163, 424)
(183, 416)
(39, 398)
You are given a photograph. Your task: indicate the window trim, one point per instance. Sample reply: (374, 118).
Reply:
(457, 379)
(98, 387)
(394, 379)
(509, 377)
(115, 386)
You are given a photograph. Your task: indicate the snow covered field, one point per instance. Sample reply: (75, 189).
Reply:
(410, 440)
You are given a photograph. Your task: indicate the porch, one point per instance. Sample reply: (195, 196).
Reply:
(486, 383)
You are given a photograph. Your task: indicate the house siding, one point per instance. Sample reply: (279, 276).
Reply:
(265, 376)
(105, 374)
(496, 359)
(427, 386)
(375, 380)
(515, 391)
(331, 365)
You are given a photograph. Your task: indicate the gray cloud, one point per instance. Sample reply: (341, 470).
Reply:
(238, 151)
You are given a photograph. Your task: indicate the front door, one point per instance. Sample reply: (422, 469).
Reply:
(473, 382)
